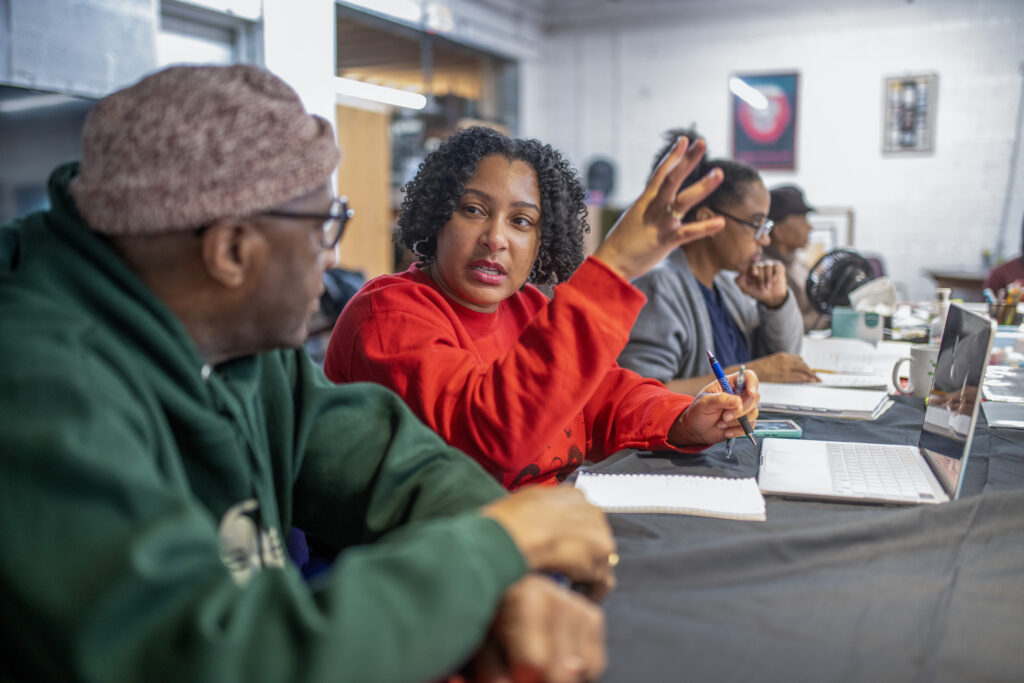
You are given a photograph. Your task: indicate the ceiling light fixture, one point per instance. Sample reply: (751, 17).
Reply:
(16, 104)
(748, 93)
(378, 93)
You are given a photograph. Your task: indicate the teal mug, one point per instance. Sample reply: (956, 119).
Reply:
(852, 324)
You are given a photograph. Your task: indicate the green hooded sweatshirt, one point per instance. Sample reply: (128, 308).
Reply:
(144, 496)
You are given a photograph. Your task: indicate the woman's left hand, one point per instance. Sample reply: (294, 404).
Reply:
(714, 414)
(766, 282)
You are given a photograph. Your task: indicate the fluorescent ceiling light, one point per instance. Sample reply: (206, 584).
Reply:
(34, 102)
(749, 94)
(378, 93)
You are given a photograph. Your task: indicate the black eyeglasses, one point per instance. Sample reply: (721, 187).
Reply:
(759, 230)
(334, 221)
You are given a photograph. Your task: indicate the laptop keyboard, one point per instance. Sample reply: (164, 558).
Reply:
(877, 470)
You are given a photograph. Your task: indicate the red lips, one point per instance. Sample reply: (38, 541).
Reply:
(487, 272)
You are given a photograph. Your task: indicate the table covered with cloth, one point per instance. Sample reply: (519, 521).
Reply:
(825, 591)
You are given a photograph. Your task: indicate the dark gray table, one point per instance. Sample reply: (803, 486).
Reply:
(826, 591)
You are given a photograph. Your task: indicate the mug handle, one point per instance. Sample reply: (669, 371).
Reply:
(896, 378)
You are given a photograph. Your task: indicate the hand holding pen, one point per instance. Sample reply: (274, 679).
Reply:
(741, 385)
(716, 414)
(724, 382)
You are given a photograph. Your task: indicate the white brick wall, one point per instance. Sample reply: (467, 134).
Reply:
(612, 88)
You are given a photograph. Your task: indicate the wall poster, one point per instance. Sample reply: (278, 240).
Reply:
(909, 113)
(831, 228)
(764, 108)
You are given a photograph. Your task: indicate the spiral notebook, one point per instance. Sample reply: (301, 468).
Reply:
(681, 494)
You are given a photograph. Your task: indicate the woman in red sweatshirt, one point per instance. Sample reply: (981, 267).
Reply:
(528, 386)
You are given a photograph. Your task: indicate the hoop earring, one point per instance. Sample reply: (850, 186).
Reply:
(419, 247)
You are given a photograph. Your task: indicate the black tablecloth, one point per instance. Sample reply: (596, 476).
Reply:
(826, 591)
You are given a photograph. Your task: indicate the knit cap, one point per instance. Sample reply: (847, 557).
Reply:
(191, 144)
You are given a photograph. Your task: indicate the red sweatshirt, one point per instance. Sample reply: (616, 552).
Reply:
(529, 390)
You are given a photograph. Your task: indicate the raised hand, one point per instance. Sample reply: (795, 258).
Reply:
(557, 530)
(652, 226)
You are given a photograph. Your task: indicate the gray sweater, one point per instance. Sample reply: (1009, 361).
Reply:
(673, 330)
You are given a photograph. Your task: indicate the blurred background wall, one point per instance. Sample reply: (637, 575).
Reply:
(598, 79)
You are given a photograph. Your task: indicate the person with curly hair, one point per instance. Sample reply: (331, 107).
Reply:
(527, 386)
(718, 293)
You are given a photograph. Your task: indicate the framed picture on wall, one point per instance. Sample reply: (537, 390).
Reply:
(909, 113)
(764, 108)
(831, 228)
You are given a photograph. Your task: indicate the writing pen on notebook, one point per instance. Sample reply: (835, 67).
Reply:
(720, 376)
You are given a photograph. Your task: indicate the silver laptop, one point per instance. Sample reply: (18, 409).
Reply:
(933, 472)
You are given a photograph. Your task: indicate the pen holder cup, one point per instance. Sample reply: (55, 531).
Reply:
(1005, 314)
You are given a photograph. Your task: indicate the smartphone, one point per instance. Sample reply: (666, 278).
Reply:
(780, 429)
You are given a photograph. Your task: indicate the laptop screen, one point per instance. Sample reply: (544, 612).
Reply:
(953, 401)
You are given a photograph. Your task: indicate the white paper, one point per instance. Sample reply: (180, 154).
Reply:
(841, 362)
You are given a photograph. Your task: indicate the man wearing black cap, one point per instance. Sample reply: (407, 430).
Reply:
(789, 212)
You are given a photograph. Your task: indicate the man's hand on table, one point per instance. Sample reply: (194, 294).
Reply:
(557, 530)
(782, 367)
(543, 632)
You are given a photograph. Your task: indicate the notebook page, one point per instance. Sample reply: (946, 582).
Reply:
(674, 493)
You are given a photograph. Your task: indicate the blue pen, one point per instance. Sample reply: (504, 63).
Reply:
(989, 295)
(720, 376)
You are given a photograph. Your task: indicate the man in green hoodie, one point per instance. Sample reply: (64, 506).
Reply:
(160, 433)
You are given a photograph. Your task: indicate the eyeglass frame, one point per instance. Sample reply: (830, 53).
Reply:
(339, 215)
(760, 231)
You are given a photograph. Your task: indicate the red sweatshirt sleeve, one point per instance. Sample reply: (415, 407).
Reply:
(630, 411)
(504, 413)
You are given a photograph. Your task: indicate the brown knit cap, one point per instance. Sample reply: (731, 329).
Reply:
(191, 144)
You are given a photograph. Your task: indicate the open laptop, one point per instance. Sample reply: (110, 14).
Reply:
(932, 472)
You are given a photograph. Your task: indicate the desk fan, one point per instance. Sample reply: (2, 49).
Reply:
(834, 276)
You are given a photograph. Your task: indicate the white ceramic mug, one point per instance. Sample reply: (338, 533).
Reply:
(922, 366)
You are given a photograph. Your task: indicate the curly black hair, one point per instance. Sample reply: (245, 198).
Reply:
(432, 196)
(735, 174)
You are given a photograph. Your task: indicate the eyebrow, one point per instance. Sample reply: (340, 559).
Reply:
(518, 204)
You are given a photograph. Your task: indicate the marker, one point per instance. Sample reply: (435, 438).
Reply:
(727, 388)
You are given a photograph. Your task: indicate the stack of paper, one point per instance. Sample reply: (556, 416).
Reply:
(813, 399)
(676, 493)
(1003, 383)
(841, 362)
